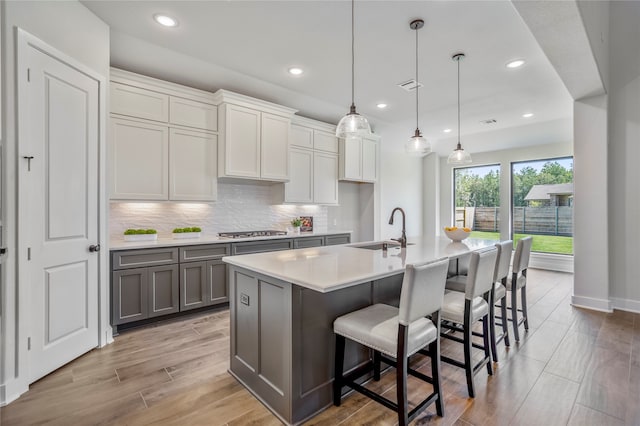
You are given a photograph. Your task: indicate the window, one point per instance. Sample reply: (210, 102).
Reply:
(542, 204)
(476, 194)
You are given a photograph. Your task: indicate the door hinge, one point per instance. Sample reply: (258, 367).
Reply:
(28, 253)
(28, 343)
(28, 74)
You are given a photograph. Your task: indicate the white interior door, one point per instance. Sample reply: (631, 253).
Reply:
(61, 190)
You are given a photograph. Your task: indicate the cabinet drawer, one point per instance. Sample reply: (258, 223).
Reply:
(144, 257)
(332, 240)
(184, 112)
(261, 246)
(141, 103)
(308, 242)
(204, 252)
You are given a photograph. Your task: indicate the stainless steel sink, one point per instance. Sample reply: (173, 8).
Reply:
(378, 245)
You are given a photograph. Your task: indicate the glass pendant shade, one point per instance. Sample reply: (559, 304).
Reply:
(417, 146)
(353, 124)
(459, 156)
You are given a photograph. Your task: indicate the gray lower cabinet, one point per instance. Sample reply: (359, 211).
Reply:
(332, 240)
(307, 242)
(163, 290)
(203, 282)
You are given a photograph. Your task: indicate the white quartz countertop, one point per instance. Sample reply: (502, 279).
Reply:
(121, 244)
(326, 269)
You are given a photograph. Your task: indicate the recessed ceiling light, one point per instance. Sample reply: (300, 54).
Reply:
(515, 64)
(447, 130)
(295, 71)
(165, 20)
(527, 115)
(382, 105)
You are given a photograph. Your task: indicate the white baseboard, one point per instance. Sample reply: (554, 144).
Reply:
(11, 391)
(626, 304)
(603, 305)
(551, 262)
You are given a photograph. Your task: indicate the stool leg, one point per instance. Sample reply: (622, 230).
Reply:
(492, 327)
(523, 296)
(339, 366)
(514, 312)
(468, 361)
(485, 337)
(401, 376)
(376, 365)
(505, 325)
(434, 350)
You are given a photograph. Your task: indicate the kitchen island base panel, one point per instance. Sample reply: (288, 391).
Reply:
(282, 341)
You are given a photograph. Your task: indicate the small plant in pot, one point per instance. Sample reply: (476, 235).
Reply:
(295, 223)
(140, 235)
(188, 232)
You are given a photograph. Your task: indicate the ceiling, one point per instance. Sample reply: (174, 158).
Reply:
(247, 46)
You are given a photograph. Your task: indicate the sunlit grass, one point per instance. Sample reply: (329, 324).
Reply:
(541, 243)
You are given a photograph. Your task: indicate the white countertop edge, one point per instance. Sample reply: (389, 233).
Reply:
(120, 244)
(328, 289)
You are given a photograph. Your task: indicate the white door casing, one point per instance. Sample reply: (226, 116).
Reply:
(59, 127)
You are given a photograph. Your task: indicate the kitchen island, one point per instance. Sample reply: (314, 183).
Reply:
(283, 305)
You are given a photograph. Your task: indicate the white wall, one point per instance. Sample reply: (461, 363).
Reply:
(71, 28)
(623, 153)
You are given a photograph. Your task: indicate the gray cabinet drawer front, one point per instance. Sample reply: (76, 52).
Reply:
(144, 257)
(308, 242)
(332, 240)
(261, 246)
(204, 252)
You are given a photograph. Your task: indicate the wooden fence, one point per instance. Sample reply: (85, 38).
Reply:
(527, 220)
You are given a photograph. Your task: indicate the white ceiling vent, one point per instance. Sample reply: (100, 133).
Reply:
(489, 121)
(410, 85)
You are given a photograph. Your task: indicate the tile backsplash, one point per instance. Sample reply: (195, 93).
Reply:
(240, 207)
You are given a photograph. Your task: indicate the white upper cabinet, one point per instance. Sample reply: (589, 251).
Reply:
(313, 164)
(301, 137)
(299, 189)
(192, 165)
(325, 182)
(359, 159)
(254, 138)
(274, 149)
(162, 144)
(140, 103)
(188, 113)
(241, 156)
(139, 167)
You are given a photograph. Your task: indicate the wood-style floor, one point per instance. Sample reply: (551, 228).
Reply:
(574, 367)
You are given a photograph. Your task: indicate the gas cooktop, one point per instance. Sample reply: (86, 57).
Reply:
(249, 234)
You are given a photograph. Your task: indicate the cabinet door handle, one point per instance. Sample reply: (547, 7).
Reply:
(94, 248)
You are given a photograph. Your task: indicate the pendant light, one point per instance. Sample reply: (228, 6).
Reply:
(353, 124)
(459, 155)
(417, 146)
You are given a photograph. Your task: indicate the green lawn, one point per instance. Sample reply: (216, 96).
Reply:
(541, 243)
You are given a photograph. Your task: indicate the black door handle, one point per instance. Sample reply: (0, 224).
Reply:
(94, 248)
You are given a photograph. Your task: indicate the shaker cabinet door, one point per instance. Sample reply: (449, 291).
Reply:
(242, 142)
(369, 160)
(193, 159)
(129, 295)
(300, 188)
(274, 151)
(217, 286)
(163, 290)
(193, 289)
(325, 178)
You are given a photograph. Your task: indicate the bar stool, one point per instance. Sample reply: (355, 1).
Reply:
(464, 309)
(395, 334)
(517, 282)
(499, 292)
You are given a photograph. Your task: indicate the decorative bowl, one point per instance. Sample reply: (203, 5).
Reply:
(457, 234)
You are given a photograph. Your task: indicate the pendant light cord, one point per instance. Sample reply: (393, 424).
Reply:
(353, 54)
(458, 61)
(417, 84)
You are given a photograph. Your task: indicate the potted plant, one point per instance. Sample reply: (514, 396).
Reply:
(296, 222)
(188, 232)
(140, 235)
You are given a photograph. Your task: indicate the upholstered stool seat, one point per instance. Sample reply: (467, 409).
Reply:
(499, 291)
(521, 281)
(376, 326)
(456, 283)
(453, 307)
